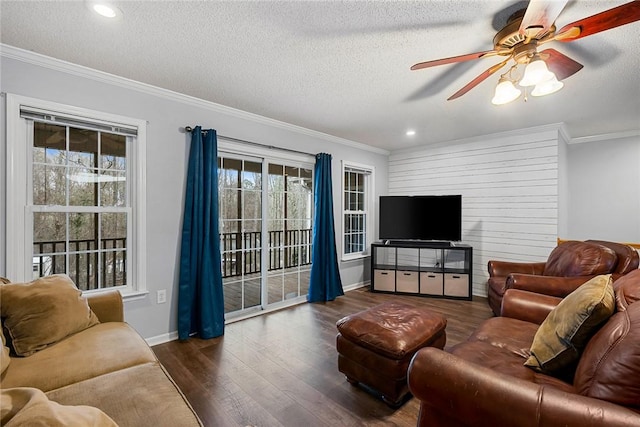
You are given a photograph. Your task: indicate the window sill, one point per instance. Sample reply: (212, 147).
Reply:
(126, 295)
(134, 296)
(347, 258)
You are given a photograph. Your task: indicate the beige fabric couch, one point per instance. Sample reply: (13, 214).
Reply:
(108, 366)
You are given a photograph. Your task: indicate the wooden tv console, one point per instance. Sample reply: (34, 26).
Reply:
(434, 269)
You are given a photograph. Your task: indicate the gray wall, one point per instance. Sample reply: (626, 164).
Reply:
(167, 150)
(604, 190)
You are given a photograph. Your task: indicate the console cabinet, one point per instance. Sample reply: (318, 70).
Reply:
(422, 268)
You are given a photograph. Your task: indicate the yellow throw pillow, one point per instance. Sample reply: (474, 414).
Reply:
(565, 332)
(43, 312)
(26, 406)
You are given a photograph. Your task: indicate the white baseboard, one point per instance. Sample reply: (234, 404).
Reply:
(172, 336)
(161, 339)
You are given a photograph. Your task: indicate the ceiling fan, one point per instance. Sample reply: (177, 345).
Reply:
(528, 29)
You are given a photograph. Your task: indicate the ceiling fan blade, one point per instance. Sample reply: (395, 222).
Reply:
(621, 15)
(560, 64)
(540, 16)
(475, 82)
(453, 59)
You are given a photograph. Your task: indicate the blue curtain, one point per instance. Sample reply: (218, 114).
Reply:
(200, 298)
(325, 283)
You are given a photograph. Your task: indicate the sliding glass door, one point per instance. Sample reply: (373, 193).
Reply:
(265, 231)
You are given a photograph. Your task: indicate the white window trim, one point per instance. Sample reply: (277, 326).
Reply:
(369, 194)
(18, 250)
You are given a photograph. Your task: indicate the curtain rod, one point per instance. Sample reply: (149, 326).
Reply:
(242, 141)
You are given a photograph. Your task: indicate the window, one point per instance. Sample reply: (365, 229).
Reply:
(74, 195)
(357, 208)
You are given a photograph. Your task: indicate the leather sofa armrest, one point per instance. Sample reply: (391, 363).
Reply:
(466, 394)
(108, 306)
(528, 306)
(548, 285)
(504, 268)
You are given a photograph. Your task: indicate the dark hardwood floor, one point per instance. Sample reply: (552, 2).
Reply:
(281, 369)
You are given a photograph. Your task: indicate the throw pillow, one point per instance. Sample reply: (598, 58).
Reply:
(565, 332)
(43, 312)
(26, 406)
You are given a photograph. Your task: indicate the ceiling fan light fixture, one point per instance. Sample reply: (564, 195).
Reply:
(536, 72)
(505, 92)
(548, 87)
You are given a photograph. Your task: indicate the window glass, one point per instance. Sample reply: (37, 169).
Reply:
(356, 208)
(81, 176)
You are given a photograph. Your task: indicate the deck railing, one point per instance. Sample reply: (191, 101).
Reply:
(241, 255)
(50, 257)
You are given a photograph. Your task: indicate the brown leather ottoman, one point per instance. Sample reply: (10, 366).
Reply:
(375, 346)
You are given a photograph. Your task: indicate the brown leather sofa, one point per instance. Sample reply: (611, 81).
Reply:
(483, 381)
(569, 265)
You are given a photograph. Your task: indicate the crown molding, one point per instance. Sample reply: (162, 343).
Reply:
(7, 51)
(553, 127)
(605, 137)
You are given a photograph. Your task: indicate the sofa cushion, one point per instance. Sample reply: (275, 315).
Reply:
(511, 335)
(24, 406)
(509, 363)
(628, 257)
(627, 290)
(574, 258)
(566, 330)
(103, 348)
(609, 368)
(152, 398)
(43, 312)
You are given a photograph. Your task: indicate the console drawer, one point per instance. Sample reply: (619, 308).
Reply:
(456, 285)
(430, 283)
(384, 280)
(407, 281)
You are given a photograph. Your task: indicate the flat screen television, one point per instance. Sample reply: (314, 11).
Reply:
(434, 218)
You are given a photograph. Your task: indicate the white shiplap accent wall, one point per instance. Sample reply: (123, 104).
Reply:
(509, 185)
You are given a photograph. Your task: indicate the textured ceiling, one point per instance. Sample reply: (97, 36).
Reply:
(341, 68)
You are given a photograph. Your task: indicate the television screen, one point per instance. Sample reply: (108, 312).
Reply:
(421, 218)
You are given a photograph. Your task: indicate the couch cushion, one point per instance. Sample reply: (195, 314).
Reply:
(512, 335)
(609, 368)
(42, 312)
(103, 348)
(568, 327)
(573, 258)
(628, 257)
(627, 289)
(509, 363)
(25, 406)
(142, 395)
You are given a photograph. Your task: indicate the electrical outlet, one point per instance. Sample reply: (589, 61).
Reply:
(161, 296)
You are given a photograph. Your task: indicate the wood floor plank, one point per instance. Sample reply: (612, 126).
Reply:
(281, 369)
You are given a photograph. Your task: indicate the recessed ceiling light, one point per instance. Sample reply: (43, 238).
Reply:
(411, 132)
(104, 9)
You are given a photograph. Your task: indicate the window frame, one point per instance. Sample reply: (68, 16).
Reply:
(18, 220)
(368, 172)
